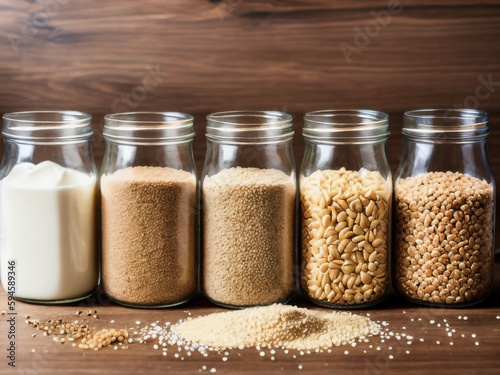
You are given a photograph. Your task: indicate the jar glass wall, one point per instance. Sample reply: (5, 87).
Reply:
(345, 194)
(248, 206)
(445, 209)
(48, 207)
(148, 197)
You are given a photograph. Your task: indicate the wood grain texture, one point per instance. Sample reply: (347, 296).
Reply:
(246, 54)
(434, 355)
(201, 56)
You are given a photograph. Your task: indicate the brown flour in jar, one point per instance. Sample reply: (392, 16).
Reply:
(148, 235)
(248, 221)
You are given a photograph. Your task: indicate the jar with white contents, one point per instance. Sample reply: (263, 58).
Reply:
(445, 209)
(345, 194)
(48, 207)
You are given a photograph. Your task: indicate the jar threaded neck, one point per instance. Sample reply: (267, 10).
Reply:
(47, 126)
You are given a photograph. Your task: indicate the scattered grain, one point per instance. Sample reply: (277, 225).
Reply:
(277, 326)
(63, 331)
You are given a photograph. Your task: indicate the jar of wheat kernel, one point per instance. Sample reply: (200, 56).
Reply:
(345, 194)
(444, 209)
(148, 207)
(249, 195)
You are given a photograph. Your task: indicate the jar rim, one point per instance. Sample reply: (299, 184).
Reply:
(347, 117)
(153, 128)
(47, 126)
(467, 116)
(240, 117)
(48, 117)
(153, 118)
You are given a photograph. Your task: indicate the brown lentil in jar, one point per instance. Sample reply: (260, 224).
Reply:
(444, 237)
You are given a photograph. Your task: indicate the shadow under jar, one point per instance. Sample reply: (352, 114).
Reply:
(345, 195)
(248, 199)
(48, 207)
(148, 198)
(444, 209)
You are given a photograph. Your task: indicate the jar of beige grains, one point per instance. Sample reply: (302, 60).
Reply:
(345, 196)
(445, 203)
(148, 197)
(248, 203)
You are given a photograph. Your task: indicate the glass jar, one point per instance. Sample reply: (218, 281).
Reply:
(248, 204)
(445, 209)
(48, 207)
(345, 194)
(148, 199)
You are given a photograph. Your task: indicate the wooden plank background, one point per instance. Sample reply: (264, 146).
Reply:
(200, 56)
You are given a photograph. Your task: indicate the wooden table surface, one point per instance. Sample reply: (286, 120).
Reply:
(443, 341)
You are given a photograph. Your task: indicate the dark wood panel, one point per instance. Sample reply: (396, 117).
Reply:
(91, 55)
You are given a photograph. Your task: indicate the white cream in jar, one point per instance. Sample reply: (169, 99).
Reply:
(48, 218)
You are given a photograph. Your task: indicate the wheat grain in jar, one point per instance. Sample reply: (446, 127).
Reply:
(345, 196)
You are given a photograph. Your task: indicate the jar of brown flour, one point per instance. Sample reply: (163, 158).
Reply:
(445, 203)
(148, 198)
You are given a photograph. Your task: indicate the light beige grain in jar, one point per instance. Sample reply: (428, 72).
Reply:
(345, 236)
(248, 248)
(444, 237)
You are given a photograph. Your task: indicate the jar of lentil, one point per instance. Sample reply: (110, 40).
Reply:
(248, 202)
(148, 198)
(345, 195)
(445, 209)
(48, 207)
